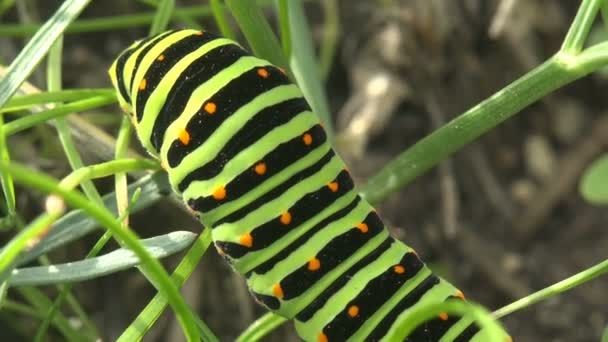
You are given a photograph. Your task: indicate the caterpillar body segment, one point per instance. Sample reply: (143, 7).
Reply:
(243, 149)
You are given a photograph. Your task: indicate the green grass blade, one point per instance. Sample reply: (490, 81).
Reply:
(77, 223)
(37, 47)
(162, 16)
(26, 101)
(221, 20)
(115, 261)
(256, 29)
(304, 65)
(146, 318)
(30, 121)
(261, 327)
(150, 266)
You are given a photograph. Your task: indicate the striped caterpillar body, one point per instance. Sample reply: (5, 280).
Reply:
(243, 149)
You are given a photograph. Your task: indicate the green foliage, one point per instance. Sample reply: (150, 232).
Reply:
(295, 53)
(594, 183)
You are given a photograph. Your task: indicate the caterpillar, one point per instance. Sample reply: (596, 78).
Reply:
(243, 149)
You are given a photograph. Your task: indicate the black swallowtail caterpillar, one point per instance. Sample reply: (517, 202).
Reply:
(243, 149)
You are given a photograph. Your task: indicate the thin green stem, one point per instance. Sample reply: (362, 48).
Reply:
(331, 32)
(555, 289)
(283, 13)
(220, 19)
(156, 306)
(119, 22)
(575, 39)
(60, 111)
(150, 266)
(426, 153)
(261, 327)
(256, 29)
(162, 16)
(30, 100)
(8, 188)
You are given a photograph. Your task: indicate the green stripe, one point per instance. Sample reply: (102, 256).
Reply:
(232, 231)
(209, 149)
(311, 329)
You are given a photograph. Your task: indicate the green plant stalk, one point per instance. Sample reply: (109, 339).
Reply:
(331, 32)
(220, 19)
(428, 152)
(151, 267)
(146, 318)
(106, 24)
(604, 12)
(8, 188)
(120, 178)
(555, 289)
(61, 325)
(39, 300)
(63, 128)
(37, 47)
(60, 111)
(461, 308)
(30, 100)
(162, 17)
(304, 64)
(65, 292)
(37, 228)
(261, 327)
(256, 29)
(24, 238)
(187, 20)
(283, 14)
(581, 26)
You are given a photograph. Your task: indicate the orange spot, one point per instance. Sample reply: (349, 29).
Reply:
(246, 240)
(399, 269)
(263, 73)
(314, 264)
(260, 168)
(210, 107)
(142, 84)
(322, 338)
(362, 227)
(184, 136)
(443, 316)
(277, 291)
(307, 139)
(160, 58)
(219, 193)
(353, 311)
(333, 186)
(285, 218)
(460, 295)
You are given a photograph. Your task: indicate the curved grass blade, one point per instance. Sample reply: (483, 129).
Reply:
(118, 260)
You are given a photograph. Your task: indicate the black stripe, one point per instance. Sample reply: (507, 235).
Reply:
(255, 128)
(333, 254)
(143, 52)
(120, 65)
(279, 190)
(228, 100)
(408, 301)
(468, 333)
(276, 161)
(173, 54)
(195, 74)
(302, 240)
(432, 330)
(375, 293)
(303, 210)
(309, 311)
